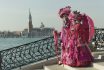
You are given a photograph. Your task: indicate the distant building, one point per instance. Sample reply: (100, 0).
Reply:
(8, 34)
(42, 31)
(24, 33)
(17, 33)
(30, 22)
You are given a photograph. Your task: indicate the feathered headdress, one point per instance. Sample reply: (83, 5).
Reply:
(77, 16)
(65, 10)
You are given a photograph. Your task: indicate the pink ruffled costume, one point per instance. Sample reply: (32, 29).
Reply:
(75, 40)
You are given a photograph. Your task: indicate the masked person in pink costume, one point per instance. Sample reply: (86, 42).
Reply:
(77, 32)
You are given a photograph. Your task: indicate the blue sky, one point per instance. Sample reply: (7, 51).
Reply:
(14, 13)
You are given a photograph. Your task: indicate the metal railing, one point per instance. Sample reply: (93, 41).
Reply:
(28, 53)
(35, 51)
(99, 38)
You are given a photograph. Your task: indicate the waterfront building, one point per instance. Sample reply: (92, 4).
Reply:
(41, 31)
(8, 34)
(24, 33)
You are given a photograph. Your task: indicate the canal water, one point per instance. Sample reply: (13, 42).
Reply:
(6, 43)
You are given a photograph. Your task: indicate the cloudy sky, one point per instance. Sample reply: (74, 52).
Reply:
(14, 13)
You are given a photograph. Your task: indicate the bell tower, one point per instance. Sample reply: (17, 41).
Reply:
(30, 22)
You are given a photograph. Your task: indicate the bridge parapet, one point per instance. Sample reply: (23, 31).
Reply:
(28, 53)
(98, 40)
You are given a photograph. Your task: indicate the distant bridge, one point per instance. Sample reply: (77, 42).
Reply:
(36, 51)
